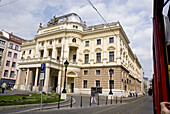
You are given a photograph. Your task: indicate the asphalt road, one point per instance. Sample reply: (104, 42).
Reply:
(142, 105)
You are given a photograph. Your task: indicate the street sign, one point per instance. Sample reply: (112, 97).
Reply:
(42, 76)
(43, 68)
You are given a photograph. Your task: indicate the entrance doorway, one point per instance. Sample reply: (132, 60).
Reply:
(70, 84)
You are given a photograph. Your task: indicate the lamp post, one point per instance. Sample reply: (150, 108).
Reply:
(111, 71)
(66, 63)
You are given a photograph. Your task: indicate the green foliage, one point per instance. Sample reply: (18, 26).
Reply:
(33, 98)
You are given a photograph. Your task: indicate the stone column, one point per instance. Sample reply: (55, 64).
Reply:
(47, 79)
(118, 51)
(62, 50)
(45, 49)
(35, 88)
(54, 50)
(27, 77)
(17, 86)
(66, 49)
(104, 51)
(36, 51)
(92, 52)
(59, 83)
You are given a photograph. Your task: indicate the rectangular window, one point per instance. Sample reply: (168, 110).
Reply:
(86, 43)
(98, 57)
(112, 84)
(12, 74)
(111, 56)
(84, 83)
(6, 73)
(97, 72)
(10, 45)
(98, 41)
(9, 54)
(86, 58)
(97, 83)
(16, 47)
(13, 64)
(42, 53)
(17, 39)
(85, 72)
(23, 53)
(29, 51)
(111, 40)
(8, 63)
(74, 58)
(15, 55)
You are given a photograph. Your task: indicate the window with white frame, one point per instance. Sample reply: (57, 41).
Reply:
(98, 41)
(86, 58)
(16, 47)
(9, 54)
(10, 45)
(111, 40)
(13, 64)
(98, 57)
(8, 63)
(86, 43)
(6, 73)
(97, 83)
(15, 55)
(85, 72)
(111, 56)
(12, 74)
(97, 72)
(84, 83)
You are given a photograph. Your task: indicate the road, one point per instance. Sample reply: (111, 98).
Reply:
(142, 105)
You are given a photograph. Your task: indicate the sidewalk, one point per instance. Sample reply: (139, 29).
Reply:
(76, 102)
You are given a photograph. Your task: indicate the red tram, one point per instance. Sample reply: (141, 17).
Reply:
(161, 54)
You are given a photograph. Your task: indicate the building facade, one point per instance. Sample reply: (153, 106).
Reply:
(10, 57)
(91, 52)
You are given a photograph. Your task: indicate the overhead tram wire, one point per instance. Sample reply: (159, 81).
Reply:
(99, 14)
(8, 3)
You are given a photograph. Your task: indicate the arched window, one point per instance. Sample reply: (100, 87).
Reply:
(74, 40)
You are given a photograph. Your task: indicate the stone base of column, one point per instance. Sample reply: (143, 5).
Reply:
(45, 89)
(28, 88)
(23, 87)
(17, 86)
(35, 88)
(63, 95)
(110, 96)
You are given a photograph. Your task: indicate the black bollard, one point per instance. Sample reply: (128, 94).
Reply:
(71, 102)
(98, 100)
(106, 100)
(59, 103)
(121, 100)
(81, 102)
(111, 100)
(116, 99)
(90, 100)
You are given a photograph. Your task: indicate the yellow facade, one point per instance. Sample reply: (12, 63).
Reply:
(91, 52)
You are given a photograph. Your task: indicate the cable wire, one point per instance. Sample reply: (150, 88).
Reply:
(8, 3)
(99, 14)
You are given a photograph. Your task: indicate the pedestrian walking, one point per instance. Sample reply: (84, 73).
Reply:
(136, 93)
(133, 94)
(3, 86)
(93, 99)
(130, 93)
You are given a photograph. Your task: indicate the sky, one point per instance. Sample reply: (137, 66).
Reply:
(22, 17)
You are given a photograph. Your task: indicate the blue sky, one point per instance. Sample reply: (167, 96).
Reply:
(23, 17)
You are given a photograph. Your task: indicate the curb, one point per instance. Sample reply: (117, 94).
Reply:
(45, 108)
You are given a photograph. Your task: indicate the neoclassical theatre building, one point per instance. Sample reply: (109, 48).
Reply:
(90, 50)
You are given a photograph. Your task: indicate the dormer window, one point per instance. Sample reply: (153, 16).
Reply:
(74, 40)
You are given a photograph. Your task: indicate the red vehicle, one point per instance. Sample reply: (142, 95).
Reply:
(161, 54)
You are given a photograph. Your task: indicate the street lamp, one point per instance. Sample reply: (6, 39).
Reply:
(111, 71)
(66, 63)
